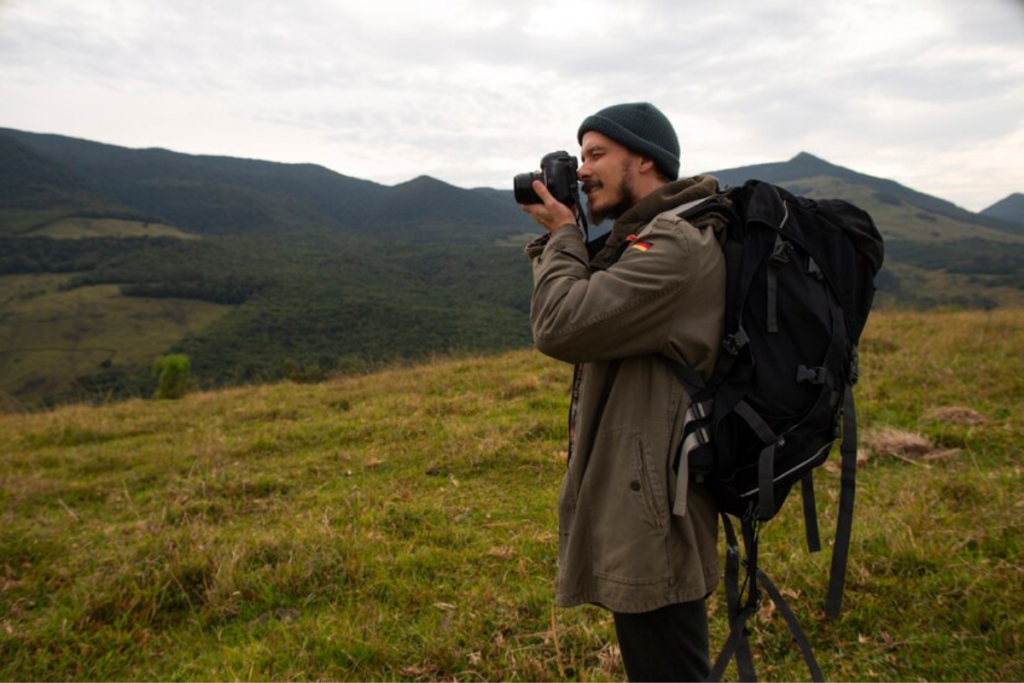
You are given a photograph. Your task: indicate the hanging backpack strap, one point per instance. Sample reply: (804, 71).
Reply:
(844, 528)
(794, 626)
(810, 512)
(738, 642)
(766, 460)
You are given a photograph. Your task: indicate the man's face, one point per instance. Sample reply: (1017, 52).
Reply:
(607, 174)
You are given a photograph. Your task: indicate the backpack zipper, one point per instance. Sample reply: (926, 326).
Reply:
(814, 457)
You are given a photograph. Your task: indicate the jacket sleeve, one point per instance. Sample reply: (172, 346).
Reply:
(627, 310)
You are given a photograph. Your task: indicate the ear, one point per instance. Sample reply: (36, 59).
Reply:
(647, 165)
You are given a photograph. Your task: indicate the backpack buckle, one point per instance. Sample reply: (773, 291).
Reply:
(812, 375)
(814, 270)
(735, 342)
(780, 252)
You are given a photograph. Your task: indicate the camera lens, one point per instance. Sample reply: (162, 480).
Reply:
(522, 187)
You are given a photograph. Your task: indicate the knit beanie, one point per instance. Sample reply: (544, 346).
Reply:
(639, 127)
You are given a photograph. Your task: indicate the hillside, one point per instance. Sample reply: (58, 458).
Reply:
(323, 304)
(1008, 209)
(804, 166)
(36, 191)
(314, 270)
(936, 252)
(401, 526)
(317, 270)
(425, 208)
(228, 196)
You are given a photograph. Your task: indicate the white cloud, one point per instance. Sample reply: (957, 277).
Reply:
(474, 91)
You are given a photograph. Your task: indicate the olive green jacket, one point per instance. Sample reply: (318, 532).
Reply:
(627, 541)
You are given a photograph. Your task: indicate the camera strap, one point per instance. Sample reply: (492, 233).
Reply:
(581, 221)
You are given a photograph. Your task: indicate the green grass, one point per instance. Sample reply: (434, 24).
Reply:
(401, 525)
(78, 228)
(49, 337)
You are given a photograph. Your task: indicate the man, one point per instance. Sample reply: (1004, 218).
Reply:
(635, 536)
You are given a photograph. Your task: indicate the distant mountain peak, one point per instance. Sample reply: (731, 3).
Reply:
(802, 165)
(805, 166)
(422, 181)
(1015, 197)
(1009, 209)
(807, 156)
(809, 163)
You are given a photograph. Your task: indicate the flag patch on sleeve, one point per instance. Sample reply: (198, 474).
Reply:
(641, 246)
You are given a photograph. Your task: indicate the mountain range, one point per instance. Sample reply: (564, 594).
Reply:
(1009, 209)
(210, 195)
(805, 165)
(259, 270)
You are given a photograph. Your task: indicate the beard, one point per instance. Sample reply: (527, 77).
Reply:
(627, 198)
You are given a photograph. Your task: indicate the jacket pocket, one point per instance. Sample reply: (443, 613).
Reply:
(627, 513)
(648, 485)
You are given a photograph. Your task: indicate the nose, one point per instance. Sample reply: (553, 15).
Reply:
(583, 172)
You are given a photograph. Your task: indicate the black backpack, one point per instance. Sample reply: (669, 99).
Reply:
(800, 283)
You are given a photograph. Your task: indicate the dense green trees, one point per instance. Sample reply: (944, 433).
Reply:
(47, 255)
(1003, 263)
(325, 303)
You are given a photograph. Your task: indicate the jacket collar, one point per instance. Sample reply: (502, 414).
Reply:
(663, 199)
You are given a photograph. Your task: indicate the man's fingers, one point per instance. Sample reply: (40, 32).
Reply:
(551, 214)
(542, 192)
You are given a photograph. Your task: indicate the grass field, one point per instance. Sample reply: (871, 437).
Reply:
(402, 526)
(79, 228)
(48, 337)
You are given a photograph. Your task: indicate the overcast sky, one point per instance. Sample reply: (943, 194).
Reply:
(927, 92)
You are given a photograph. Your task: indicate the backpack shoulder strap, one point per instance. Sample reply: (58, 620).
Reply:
(841, 551)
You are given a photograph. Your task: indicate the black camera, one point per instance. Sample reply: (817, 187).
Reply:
(558, 173)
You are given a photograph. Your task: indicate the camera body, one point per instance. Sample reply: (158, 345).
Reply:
(558, 173)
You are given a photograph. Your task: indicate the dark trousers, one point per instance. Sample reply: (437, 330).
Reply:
(668, 644)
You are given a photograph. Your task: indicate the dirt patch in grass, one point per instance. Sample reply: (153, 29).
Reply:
(905, 445)
(960, 415)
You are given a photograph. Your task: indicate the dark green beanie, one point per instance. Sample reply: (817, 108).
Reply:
(641, 128)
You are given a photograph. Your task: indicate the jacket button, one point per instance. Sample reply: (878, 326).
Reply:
(635, 485)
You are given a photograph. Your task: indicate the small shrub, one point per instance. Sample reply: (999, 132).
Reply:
(173, 375)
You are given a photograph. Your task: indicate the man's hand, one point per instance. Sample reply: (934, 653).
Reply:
(552, 214)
